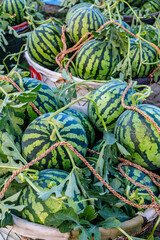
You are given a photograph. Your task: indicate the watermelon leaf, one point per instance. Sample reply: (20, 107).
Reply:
(71, 186)
(5, 207)
(110, 222)
(10, 149)
(122, 150)
(89, 213)
(7, 220)
(107, 212)
(109, 138)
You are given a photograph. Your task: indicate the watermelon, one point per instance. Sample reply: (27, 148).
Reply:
(139, 136)
(95, 60)
(37, 210)
(45, 100)
(136, 3)
(151, 6)
(16, 7)
(83, 119)
(84, 20)
(142, 178)
(148, 56)
(74, 8)
(128, 11)
(44, 43)
(41, 134)
(108, 100)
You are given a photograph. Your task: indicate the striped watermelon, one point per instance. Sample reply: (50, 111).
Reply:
(136, 3)
(45, 101)
(151, 6)
(36, 210)
(128, 11)
(74, 8)
(108, 100)
(14, 7)
(95, 60)
(84, 20)
(148, 56)
(142, 178)
(44, 43)
(83, 119)
(41, 134)
(139, 136)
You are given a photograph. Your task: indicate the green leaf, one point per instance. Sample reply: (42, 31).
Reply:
(7, 220)
(9, 148)
(109, 138)
(107, 212)
(110, 223)
(67, 214)
(122, 150)
(71, 186)
(89, 213)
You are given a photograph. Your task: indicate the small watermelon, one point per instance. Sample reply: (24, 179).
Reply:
(139, 137)
(95, 60)
(37, 210)
(142, 178)
(84, 20)
(44, 43)
(41, 134)
(16, 7)
(108, 100)
(83, 119)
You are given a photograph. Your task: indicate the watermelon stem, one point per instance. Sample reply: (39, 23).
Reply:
(141, 95)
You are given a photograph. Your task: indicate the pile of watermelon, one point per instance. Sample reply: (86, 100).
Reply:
(59, 190)
(104, 56)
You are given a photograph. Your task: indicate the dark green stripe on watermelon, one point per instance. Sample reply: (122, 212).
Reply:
(14, 7)
(84, 20)
(44, 43)
(139, 137)
(37, 138)
(36, 210)
(83, 119)
(96, 61)
(108, 100)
